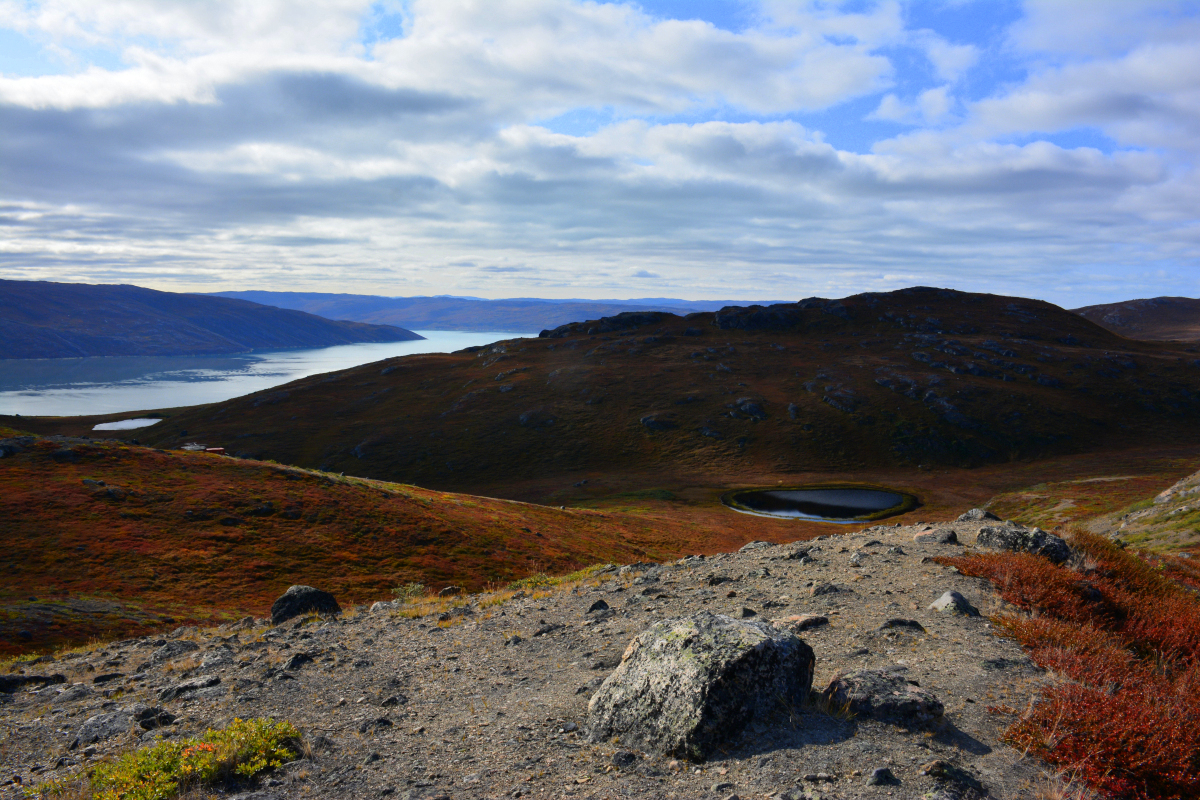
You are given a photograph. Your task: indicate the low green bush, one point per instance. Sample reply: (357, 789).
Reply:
(164, 770)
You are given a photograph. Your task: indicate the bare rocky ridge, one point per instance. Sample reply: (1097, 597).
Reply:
(489, 696)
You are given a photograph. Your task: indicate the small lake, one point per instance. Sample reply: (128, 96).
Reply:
(844, 504)
(76, 386)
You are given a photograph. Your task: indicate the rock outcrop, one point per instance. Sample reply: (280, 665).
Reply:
(1019, 539)
(299, 600)
(686, 685)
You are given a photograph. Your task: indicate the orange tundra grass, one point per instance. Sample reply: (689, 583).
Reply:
(1126, 635)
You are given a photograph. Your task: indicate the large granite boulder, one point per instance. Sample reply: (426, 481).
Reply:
(883, 695)
(685, 685)
(300, 600)
(1019, 539)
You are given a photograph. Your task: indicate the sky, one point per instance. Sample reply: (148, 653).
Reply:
(554, 148)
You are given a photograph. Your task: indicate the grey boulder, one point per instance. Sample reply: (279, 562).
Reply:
(882, 695)
(299, 600)
(978, 515)
(685, 685)
(954, 603)
(1024, 540)
(172, 650)
(101, 727)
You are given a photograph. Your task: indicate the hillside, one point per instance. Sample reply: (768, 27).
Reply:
(461, 314)
(106, 539)
(908, 379)
(1158, 318)
(39, 319)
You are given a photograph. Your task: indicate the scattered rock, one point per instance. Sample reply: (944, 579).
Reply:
(11, 683)
(299, 600)
(186, 688)
(688, 684)
(800, 622)
(882, 695)
(150, 717)
(174, 649)
(826, 588)
(297, 661)
(954, 603)
(900, 622)
(939, 536)
(101, 727)
(1024, 540)
(72, 693)
(756, 545)
(599, 605)
(882, 776)
(375, 725)
(978, 515)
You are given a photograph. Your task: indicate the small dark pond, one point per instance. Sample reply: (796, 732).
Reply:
(824, 503)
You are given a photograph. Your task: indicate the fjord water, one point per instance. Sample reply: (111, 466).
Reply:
(833, 504)
(75, 386)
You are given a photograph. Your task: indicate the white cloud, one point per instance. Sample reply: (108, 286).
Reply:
(268, 145)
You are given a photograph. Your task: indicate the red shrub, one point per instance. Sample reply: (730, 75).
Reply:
(1128, 637)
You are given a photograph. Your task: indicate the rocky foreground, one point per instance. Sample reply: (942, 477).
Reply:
(488, 695)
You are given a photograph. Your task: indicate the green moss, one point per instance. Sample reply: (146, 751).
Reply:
(165, 770)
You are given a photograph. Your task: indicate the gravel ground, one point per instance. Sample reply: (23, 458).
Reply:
(487, 702)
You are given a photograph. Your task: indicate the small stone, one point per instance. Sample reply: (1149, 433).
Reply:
(800, 622)
(939, 536)
(599, 605)
(978, 515)
(825, 588)
(722, 787)
(882, 695)
(623, 759)
(954, 603)
(756, 545)
(900, 622)
(747, 613)
(882, 776)
(297, 661)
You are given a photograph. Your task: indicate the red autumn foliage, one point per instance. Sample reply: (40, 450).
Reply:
(1127, 638)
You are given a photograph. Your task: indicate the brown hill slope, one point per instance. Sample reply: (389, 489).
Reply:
(1158, 318)
(915, 377)
(39, 319)
(106, 539)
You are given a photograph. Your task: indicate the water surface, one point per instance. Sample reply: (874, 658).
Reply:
(846, 504)
(75, 386)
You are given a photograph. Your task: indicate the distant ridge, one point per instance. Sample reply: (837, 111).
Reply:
(1155, 319)
(39, 319)
(447, 313)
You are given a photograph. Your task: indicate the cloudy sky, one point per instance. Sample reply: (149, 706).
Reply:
(555, 148)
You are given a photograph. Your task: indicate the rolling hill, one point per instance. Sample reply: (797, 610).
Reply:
(39, 319)
(463, 313)
(106, 539)
(909, 379)
(1158, 318)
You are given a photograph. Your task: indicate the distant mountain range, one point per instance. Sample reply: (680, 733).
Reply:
(1156, 318)
(39, 319)
(446, 313)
